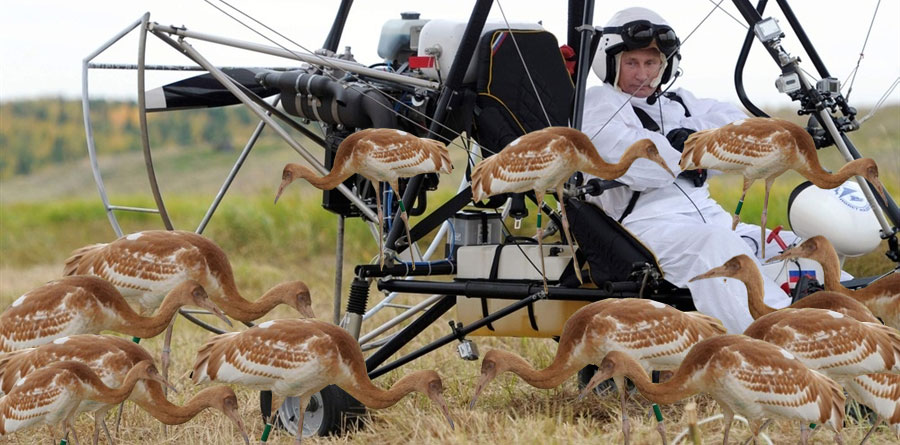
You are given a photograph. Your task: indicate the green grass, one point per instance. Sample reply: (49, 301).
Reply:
(45, 216)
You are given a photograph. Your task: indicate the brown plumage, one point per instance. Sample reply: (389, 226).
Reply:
(658, 336)
(764, 148)
(144, 266)
(750, 377)
(543, 160)
(111, 358)
(882, 296)
(744, 269)
(300, 358)
(864, 357)
(52, 394)
(85, 304)
(379, 155)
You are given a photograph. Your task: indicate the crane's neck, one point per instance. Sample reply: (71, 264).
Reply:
(146, 327)
(105, 394)
(241, 309)
(374, 397)
(168, 413)
(832, 268)
(605, 170)
(664, 393)
(825, 180)
(335, 177)
(753, 280)
(562, 367)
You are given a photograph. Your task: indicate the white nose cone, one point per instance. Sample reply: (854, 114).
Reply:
(841, 214)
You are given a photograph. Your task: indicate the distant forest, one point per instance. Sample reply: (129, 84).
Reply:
(37, 133)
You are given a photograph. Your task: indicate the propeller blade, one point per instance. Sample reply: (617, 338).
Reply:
(204, 91)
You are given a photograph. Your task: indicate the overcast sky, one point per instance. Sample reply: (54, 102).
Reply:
(43, 43)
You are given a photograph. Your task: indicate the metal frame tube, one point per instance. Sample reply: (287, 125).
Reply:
(315, 59)
(399, 319)
(231, 174)
(230, 85)
(145, 134)
(339, 269)
(88, 126)
(583, 66)
(407, 334)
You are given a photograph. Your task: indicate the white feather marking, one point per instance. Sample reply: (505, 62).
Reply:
(401, 132)
(836, 314)
(21, 381)
(738, 122)
(657, 304)
(787, 355)
(134, 236)
(60, 341)
(266, 324)
(513, 143)
(19, 300)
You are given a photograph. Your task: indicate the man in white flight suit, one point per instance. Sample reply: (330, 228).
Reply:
(677, 219)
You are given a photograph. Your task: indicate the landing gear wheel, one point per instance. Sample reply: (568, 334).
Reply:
(330, 412)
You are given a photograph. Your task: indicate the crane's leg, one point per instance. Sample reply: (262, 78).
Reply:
(728, 418)
(660, 423)
(765, 210)
(167, 349)
(626, 424)
(736, 218)
(273, 410)
(540, 237)
(804, 434)
(565, 222)
(380, 223)
(106, 431)
(100, 421)
(304, 400)
(869, 433)
(755, 428)
(119, 417)
(396, 186)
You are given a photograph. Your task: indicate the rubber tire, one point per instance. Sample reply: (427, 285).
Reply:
(340, 412)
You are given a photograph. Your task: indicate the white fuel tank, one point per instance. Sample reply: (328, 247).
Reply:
(840, 214)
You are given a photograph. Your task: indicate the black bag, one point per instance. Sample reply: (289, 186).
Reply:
(611, 251)
(507, 106)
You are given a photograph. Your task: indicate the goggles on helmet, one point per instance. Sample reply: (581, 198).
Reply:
(640, 33)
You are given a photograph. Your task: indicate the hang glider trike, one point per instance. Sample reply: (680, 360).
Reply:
(492, 82)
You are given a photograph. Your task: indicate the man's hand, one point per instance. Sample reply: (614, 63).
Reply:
(677, 137)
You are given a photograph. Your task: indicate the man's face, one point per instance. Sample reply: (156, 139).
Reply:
(637, 68)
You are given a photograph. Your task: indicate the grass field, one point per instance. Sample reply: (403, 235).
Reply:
(45, 216)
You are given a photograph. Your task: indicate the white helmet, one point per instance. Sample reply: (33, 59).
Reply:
(635, 28)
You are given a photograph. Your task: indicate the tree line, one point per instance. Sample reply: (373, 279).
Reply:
(42, 132)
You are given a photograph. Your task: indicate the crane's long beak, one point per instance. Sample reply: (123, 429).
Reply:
(215, 310)
(482, 383)
(307, 311)
(595, 380)
(438, 400)
(715, 272)
(788, 254)
(281, 188)
(239, 423)
(163, 380)
(880, 189)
